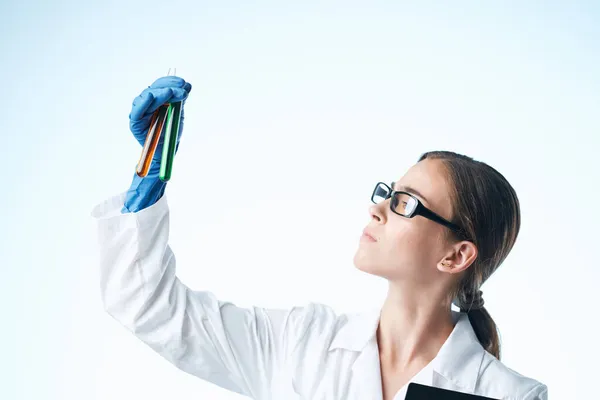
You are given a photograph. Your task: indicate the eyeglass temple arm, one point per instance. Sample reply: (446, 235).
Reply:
(434, 217)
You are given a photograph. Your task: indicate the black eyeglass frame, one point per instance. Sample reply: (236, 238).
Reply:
(420, 209)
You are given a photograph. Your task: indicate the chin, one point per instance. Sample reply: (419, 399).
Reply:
(367, 264)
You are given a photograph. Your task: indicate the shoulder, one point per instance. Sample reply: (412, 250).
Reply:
(312, 314)
(314, 318)
(320, 326)
(464, 362)
(496, 379)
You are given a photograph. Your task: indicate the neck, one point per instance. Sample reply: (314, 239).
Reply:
(414, 325)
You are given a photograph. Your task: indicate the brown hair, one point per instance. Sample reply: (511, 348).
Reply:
(486, 206)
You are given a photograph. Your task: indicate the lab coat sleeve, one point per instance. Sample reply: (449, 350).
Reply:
(540, 392)
(235, 348)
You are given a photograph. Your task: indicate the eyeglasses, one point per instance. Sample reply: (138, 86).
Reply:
(407, 205)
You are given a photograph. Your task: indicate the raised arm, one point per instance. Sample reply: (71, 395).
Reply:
(242, 350)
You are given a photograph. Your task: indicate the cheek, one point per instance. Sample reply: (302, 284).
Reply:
(406, 247)
(413, 248)
(403, 252)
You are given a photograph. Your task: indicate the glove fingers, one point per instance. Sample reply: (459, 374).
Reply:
(161, 96)
(179, 95)
(139, 127)
(140, 105)
(170, 88)
(166, 95)
(168, 81)
(188, 88)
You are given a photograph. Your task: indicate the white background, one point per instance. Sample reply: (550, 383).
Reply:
(297, 109)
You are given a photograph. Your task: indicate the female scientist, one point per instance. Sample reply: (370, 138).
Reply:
(436, 235)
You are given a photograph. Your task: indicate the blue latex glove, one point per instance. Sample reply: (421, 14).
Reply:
(168, 89)
(146, 191)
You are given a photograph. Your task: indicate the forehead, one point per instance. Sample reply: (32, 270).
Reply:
(428, 180)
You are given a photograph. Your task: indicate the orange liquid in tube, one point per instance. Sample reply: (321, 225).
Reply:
(154, 131)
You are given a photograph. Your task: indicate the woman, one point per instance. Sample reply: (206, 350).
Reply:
(437, 234)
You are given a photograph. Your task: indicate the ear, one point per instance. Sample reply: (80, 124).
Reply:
(461, 257)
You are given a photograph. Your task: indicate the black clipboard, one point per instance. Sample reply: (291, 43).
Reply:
(421, 392)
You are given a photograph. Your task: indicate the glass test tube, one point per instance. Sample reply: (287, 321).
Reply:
(152, 138)
(170, 143)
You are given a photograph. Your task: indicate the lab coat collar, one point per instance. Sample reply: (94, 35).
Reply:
(458, 360)
(357, 330)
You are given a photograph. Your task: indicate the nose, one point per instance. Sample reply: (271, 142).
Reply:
(378, 211)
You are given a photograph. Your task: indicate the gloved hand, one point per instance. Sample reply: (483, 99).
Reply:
(168, 89)
(146, 191)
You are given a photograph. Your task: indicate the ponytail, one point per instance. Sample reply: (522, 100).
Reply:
(471, 302)
(486, 330)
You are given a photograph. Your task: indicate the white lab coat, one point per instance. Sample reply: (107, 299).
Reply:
(307, 352)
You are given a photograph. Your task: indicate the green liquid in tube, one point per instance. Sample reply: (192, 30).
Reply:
(170, 143)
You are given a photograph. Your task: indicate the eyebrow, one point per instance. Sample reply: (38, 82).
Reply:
(409, 190)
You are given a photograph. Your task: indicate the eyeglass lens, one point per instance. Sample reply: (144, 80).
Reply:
(402, 203)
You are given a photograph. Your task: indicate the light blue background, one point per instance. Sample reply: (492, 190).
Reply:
(299, 108)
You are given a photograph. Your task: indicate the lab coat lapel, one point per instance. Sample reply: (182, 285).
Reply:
(359, 334)
(366, 374)
(458, 363)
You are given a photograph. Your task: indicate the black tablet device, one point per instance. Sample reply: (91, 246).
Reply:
(421, 392)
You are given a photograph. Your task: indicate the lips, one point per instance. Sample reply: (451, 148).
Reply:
(369, 235)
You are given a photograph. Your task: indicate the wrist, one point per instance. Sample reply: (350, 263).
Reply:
(144, 192)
